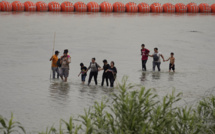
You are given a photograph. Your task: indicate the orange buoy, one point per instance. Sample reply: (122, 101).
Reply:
(5, 6)
(18, 6)
(143, 7)
(213, 8)
(156, 8)
(30, 6)
(67, 6)
(118, 7)
(80, 7)
(42, 6)
(180, 8)
(168, 8)
(106, 7)
(131, 7)
(204, 8)
(93, 7)
(192, 8)
(54, 6)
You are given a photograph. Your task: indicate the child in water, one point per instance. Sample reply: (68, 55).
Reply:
(83, 72)
(172, 62)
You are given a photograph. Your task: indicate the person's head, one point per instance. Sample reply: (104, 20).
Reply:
(172, 54)
(143, 46)
(93, 60)
(57, 52)
(65, 54)
(66, 51)
(81, 64)
(105, 61)
(112, 63)
(156, 49)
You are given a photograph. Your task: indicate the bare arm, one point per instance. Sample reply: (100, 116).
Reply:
(51, 58)
(162, 57)
(167, 59)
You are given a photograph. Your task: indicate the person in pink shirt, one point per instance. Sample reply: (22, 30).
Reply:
(144, 52)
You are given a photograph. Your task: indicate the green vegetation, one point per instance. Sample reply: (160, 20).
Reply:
(139, 111)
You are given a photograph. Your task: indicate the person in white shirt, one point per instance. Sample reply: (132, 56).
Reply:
(156, 59)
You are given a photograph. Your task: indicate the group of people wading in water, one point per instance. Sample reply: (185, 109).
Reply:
(61, 66)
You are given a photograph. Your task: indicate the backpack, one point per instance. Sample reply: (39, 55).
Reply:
(156, 57)
(58, 63)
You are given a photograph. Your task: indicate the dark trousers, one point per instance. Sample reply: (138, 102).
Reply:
(144, 65)
(104, 77)
(93, 74)
(112, 79)
(156, 64)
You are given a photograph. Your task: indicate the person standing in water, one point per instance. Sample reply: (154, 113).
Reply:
(156, 59)
(144, 53)
(94, 71)
(83, 73)
(54, 60)
(172, 62)
(65, 60)
(112, 71)
(105, 74)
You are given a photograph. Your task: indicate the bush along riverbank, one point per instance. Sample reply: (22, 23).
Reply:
(132, 111)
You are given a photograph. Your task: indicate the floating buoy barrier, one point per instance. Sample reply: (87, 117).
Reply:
(42, 6)
(156, 8)
(192, 8)
(131, 7)
(213, 8)
(143, 7)
(54, 6)
(67, 6)
(5, 6)
(118, 7)
(168, 8)
(180, 8)
(204, 8)
(80, 7)
(93, 7)
(18, 6)
(30, 6)
(105, 6)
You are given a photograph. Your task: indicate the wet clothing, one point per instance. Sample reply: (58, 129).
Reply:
(83, 77)
(64, 69)
(144, 53)
(55, 70)
(156, 64)
(54, 60)
(112, 75)
(94, 72)
(156, 57)
(64, 72)
(171, 67)
(105, 75)
(83, 73)
(144, 65)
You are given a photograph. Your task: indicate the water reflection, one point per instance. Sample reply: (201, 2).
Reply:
(171, 76)
(156, 75)
(59, 88)
(143, 77)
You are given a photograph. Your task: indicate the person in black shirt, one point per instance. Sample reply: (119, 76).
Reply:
(105, 74)
(112, 71)
(83, 72)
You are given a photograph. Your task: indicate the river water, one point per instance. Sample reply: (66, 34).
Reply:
(26, 42)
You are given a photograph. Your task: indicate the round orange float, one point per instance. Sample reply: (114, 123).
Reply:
(67, 6)
(93, 7)
(143, 7)
(18, 6)
(131, 7)
(192, 8)
(42, 6)
(54, 6)
(168, 8)
(180, 8)
(204, 8)
(156, 8)
(30, 6)
(118, 7)
(5, 6)
(106, 7)
(80, 7)
(213, 8)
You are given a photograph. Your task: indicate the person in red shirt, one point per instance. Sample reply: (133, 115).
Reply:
(144, 53)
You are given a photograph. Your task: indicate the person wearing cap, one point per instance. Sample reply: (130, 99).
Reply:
(144, 53)
(54, 60)
(65, 60)
(105, 74)
(83, 72)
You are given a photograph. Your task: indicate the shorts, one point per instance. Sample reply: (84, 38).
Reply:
(64, 72)
(171, 67)
(83, 77)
